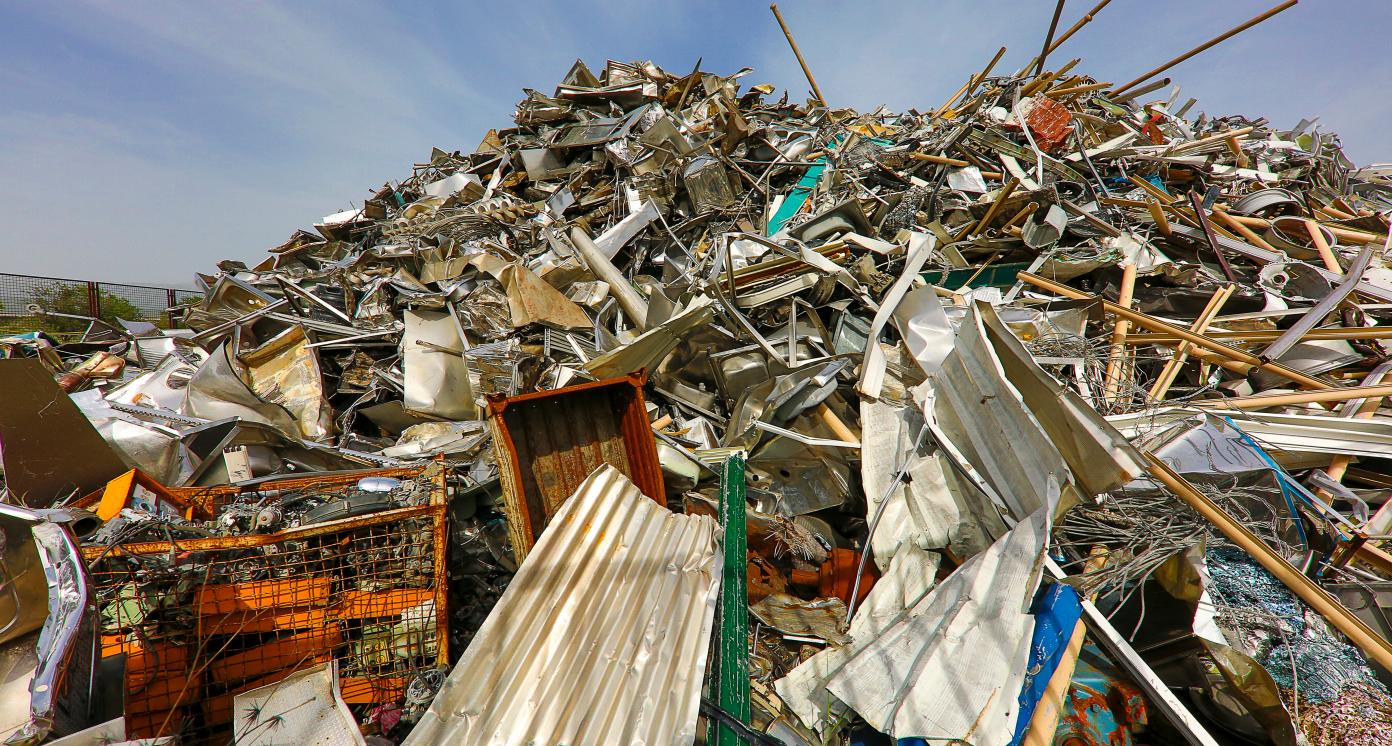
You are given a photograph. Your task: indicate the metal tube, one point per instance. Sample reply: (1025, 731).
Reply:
(1049, 39)
(1085, 20)
(1212, 42)
(632, 303)
(1317, 598)
(798, 53)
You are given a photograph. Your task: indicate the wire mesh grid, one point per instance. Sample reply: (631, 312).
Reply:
(203, 621)
(59, 298)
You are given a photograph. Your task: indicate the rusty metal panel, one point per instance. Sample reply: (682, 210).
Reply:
(550, 441)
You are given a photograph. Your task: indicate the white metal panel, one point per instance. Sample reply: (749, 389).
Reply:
(601, 638)
(952, 665)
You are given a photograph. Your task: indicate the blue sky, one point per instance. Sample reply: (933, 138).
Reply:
(144, 141)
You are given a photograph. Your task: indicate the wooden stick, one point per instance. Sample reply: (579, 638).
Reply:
(1049, 38)
(1085, 20)
(1020, 216)
(1269, 335)
(1061, 92)
(1044, 723)
(1246, 232)
(1261, 401)
(833, 422)
(1339, 465)
(979, 77)
(798, 53)
(1171, 370)
(939, 159)
(996, 205)
(1210, 43)
(1116, 356)
(1153, 190)
(1239, 157)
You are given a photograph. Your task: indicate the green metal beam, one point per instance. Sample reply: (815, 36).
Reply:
(733, 683)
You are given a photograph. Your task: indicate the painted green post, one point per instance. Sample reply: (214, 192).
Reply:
(734, 602)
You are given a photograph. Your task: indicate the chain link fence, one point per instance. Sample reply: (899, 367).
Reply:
(29, 303)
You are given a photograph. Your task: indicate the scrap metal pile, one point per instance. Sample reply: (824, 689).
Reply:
(678, 411)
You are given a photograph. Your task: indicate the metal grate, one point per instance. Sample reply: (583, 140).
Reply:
(202, 620)
(105, 300)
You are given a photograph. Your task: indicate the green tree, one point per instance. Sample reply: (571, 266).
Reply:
(59, 297)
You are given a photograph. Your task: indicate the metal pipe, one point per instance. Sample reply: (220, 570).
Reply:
(1210, 43)
(1049, 39)
(798, 53)
(1317, 598)
(632, 303)
(1085, 20)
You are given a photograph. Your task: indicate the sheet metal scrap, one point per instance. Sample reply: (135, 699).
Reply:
(927, 332)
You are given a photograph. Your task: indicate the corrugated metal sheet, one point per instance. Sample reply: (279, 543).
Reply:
(550, 441)
(601, 638)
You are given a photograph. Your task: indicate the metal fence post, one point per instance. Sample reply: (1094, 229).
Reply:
(93, 300)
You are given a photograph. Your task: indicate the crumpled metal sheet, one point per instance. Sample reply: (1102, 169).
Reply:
(911, 575)
(285, 371)
(437, 382)
(950, 667)
(216, 391)
(610, 615)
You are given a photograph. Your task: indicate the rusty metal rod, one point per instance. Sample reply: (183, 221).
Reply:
(798, 53)
(1210, 43)
(1232, 354)
(1049, 39)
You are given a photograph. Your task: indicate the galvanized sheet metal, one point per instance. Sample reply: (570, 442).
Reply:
(602, 636)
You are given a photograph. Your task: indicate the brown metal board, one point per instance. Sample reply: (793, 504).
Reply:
(550, 441)
(48, 447)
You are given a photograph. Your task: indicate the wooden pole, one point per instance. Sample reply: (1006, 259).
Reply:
(1157, 213)
(1339, 465)
(981, 76)
(1210, 43)
(1231, 354)
(1044, 722)
(1261, 401)
(798, 53)
(1322, 246)
(1317, 598)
